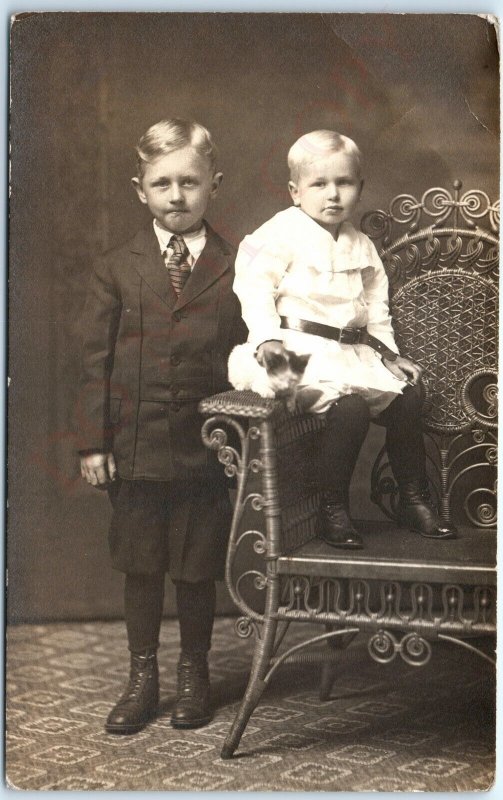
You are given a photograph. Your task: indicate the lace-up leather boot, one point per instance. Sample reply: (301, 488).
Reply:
(192, 706)
(139, 701)
(417, 512)
(335, 527)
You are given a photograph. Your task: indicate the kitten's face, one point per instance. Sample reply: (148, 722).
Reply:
(285, 372)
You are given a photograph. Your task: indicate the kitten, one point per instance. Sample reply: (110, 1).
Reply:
(279, 378)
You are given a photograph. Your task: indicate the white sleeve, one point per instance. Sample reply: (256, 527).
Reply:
(260, 267)
(375, 285)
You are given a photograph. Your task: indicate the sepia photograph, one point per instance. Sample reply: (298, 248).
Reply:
(253, 272)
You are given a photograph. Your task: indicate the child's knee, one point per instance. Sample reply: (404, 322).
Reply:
(350, 406)
(412, 400)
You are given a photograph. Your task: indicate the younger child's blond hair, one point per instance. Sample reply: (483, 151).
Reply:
(316, 144)
(173, 134)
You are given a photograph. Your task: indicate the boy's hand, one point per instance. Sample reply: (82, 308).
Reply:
(404, 369)
(98, 468)
(268, 349)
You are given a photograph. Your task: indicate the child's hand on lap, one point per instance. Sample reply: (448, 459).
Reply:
(404, 369)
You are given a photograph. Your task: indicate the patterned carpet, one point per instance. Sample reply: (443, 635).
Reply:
(385, 728)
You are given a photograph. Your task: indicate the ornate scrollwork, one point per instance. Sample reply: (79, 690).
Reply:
(217, 439)
(421, 601)
(383, 488)
(483, 603)
(474, 205)
(244, 627)
(494, 215)
(377, 224)
(259, 545)
(384, 491)
(383, 647)
(256, 500)
(240, 464)
(414, 649)
(405, 209)
(437, 204)
(489, 395)
(485, 513)
(388, 604)
(453, 603)
(451, 463)
(259, 582)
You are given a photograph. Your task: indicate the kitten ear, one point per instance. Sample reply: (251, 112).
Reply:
(299, 363)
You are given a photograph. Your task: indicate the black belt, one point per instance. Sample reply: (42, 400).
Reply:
(341, 335)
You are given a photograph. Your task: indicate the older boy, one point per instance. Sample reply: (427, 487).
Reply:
(159, 322)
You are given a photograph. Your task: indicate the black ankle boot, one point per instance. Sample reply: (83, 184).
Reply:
(192, 706)
(335, 527)
(417, 512)
(139, 701)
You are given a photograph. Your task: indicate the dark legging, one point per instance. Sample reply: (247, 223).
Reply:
(143, 602)
(347, 424)
(404, 437)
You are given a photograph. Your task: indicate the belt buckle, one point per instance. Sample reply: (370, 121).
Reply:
(349, 336)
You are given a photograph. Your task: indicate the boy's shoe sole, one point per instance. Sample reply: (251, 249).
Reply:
(193, 723)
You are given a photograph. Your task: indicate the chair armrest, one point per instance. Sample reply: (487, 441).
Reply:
(236, 403)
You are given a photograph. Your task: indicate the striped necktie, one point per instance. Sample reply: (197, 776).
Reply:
(177, 262)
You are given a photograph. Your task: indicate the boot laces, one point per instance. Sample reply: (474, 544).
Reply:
(417, 494)
(423, 495)
(334, 510)
(191, 677)
(137, 680)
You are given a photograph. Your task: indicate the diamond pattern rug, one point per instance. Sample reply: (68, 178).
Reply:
(385, 727)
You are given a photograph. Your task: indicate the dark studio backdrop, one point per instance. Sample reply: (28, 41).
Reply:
(419, 93)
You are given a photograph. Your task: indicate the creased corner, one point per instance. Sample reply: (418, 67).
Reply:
(492, 19)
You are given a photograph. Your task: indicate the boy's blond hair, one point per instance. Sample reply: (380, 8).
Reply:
(316, 144)
(173, 134)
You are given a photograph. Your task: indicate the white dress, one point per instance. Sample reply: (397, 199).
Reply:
(291, 266)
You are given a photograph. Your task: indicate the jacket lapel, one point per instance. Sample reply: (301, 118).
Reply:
(211, 264)
(149, 263)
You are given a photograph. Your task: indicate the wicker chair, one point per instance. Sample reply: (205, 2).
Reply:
(404, 591)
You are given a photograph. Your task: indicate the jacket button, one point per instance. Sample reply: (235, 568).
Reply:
(175, 360)
(177, 316)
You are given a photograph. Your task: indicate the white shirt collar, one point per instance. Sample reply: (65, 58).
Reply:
(347, 233)
(351, 250)
(195, 240)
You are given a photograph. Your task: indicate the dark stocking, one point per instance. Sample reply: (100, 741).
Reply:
(347, 425)
(143, 602)
(404, 437)
(196, 612)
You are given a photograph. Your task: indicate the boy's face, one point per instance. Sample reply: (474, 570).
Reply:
(328, 189)
(177, 188)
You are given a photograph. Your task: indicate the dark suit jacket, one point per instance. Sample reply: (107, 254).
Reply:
(150, 356)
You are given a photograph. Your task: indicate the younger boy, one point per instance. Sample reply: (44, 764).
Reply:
(308, 281)
(159, 322)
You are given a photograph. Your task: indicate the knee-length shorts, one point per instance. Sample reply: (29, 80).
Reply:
(180, 527)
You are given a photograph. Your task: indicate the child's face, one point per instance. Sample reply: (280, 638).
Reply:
(177, 188)
(328, 189)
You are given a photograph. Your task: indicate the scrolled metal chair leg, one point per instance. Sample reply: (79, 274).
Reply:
(246, 709)
(264, 651)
